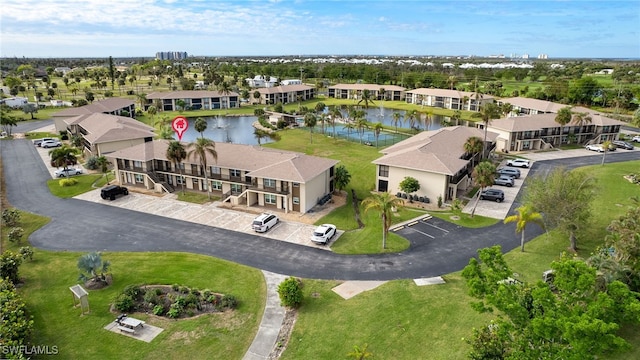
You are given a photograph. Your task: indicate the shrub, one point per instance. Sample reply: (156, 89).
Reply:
(92, 163)
(11, 217)
(124, 303)
(26, 252)
(195, 292)
(158, 310)
(67, 182)
(184, 289)
(290, 292)
(440, 201)
(150, 297)
(180, 300)
(132, 291)
(206, 293)
(15, 234)
(229, 302)
(175, 287)
(213, 299)
(191, 301)
(9, 264)
(17, 325)
(158, 291)
(175, 310)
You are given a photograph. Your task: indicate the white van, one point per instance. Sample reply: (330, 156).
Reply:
(264, 222)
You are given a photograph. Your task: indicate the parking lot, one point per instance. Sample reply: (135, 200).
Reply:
(426, 232)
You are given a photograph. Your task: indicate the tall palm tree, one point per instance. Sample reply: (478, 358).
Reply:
(200, 150)
(488, 112)
(377, 129)
(64, 156)
(259, 134)
(451, 81)
(563, 117)
(200, 126)
(361, 125)
(385, 203)
(473, 146)
(224, 88)
(177, 153)
(410, 116)
(506, 109)
(310, 121)
(606, 145)
(335, 115)
(366, 97)
(525, 215)
(396, 118)
(103, 164)
(483, 174)
(166, 132)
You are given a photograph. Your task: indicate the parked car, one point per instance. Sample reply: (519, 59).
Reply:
(623, 145)
(514, 173)
(636, 138)
(50, 144)
(323, 234)
(523, 163)
(492, 194)
(67, 172)
(504, 180)
(38, 142)
(264, 222)
(110, 192)
(599, 147)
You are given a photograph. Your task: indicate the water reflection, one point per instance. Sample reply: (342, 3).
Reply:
(239, 129)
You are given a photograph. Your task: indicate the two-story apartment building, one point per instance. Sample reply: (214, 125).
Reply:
(447, 99)
(541, 131)
(112, 106)
(242, 174)
(527, 106)
(193, 100)
(102, 133)
(378, 92)
(286, 94)
(436, 158)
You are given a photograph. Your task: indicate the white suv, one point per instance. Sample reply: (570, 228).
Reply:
(264, 222)
(518, 163)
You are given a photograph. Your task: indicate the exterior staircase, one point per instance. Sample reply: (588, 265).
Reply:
(156, 179)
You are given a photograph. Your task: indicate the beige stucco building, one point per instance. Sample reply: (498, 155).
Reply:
(112, 106)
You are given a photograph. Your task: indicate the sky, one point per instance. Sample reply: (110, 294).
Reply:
(140, 28)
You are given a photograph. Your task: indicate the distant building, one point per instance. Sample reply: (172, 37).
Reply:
(171, 55)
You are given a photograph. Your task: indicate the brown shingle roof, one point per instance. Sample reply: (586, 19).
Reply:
(375, 87)
(535, 104)
(454, 94)
(103, 128)
(437, 151)
(258, 161)
(541, 121)
(284, 89)
(188, 94)
(101, 106)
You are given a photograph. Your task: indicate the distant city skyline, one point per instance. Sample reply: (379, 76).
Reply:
(120, 28)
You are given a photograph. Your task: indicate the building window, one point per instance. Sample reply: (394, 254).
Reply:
(236, 188)
(216, 185)
(180, 180)
(296, 200)
(270, 199)
(384, 171)
(215, 170)
(137, 164)
(139, 178)
(235, 173)
(269, 183)
(203, 185)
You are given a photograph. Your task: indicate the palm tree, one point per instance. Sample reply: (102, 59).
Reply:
(366, 97)
(377, 129)
(152, 111)
(488, 112)
(411, 117)
(200, 126)
(525, 215)
(361, 125)
(563, 117)
(473, 146)
(103, 164)
(257, 95)
(396, 118)
(177, 153)
(259, 134)
(335, 114)
(581, 119)
(385, 203)
(64, 156)
(483, 174)
(200, 150)
(224, 88)
(605, 148)
(451, 81)
(166, 132)
(506, 109)
(310, 121)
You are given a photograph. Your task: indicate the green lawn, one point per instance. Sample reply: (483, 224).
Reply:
(85, 183)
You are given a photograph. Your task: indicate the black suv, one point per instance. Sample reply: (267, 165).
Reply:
(492, 194)
(111, 191)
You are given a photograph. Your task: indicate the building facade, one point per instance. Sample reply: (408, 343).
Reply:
(192, 100)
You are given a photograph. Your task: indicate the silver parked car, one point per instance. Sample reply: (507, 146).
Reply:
(515, 173)
(60, 173)
(504, 180)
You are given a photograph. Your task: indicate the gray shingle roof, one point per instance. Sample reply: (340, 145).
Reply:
(103, 128)
(541, 121)
(100, 106)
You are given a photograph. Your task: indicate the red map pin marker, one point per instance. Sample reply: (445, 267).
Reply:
(180, 125)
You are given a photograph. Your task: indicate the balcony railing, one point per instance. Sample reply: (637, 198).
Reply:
(269, 189)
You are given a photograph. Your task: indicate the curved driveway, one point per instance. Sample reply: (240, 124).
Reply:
(78, 225)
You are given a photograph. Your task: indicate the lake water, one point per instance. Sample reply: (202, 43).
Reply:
(239, 129)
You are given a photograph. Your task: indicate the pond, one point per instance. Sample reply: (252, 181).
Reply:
(239, 129)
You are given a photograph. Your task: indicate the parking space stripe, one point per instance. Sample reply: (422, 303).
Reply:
(424, 233)
(437, 227)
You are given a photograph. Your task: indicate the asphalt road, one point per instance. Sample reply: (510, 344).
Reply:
(78, 225)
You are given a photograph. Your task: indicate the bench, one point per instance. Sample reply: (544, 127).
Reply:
(126, 329)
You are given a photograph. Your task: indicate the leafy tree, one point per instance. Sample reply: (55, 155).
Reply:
(563, 117)
(377, 129)
(15, 234)
(483, 174)
(152, 111)
(564, 198)
(361, 125)
(201, 149)
(525, 215)
(488, 112)
(257, 96)
(166, 132)
(103, 165)
(64, 156)
(290, 292)
(181, 104)
(200, 126)
(409, 185)
(7, 120)
(177, 153)
(17, 324)
(583, 90)
(10, 217)
(473, 146)
(396, 118)
(342, 177)
(573, 321)
(9, 265)
(384, 203)
(310, 121)
(606, 145)
(91, 264)
(30, 109)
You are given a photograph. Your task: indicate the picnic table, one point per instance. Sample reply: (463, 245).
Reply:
(131, 323)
